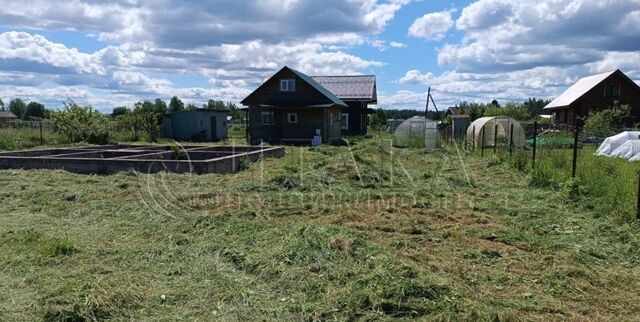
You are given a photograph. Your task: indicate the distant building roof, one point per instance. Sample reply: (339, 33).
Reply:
(7, 115)
(454, 110)
(580, 88)
(459, 116)
(201, 110)
(356, 87)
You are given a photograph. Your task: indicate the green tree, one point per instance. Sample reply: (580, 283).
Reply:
(120, 110)
(609, 121)
(511, 110)
(191, 107)
(176, 105)
(535, 106)
(379, 119)
(82, 123)
(18, 107)
(149, 116)
(35, 110)
(160, 106)
(2, 105)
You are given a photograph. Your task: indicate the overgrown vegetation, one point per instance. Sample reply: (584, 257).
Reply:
(609, 121)
(78, 124)
(356, 232)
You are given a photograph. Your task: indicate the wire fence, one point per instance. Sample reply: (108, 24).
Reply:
(564, 159)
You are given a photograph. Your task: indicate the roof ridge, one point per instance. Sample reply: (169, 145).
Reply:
(323, 90)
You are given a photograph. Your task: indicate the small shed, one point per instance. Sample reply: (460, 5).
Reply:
(201, 125)
(6, 117)
(459, 125)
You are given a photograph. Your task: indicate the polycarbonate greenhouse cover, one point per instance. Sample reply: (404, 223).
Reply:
(417, 132)
(625, 145)
(484, 130)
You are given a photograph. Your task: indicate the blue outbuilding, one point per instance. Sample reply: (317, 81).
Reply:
(201, 125)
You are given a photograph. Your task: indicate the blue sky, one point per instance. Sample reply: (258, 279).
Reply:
(108, 54)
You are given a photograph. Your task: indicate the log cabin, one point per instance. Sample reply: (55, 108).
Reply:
(595, 93)
(292, 108)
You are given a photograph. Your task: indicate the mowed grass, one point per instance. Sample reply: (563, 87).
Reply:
(359, 232)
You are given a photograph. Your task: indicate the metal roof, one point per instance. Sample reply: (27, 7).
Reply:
(357, 87)
(578, 89)
(326, 92)
(7, 115)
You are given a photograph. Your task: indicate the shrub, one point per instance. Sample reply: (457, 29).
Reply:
(608, 122)
(572, 189)
(79, 124)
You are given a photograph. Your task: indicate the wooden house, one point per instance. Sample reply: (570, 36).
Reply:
(291, 107)
(358, 92)
(595, 93)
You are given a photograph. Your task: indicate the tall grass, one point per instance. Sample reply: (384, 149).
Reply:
(608, 185)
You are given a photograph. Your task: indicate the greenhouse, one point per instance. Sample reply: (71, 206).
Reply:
(482, 132)
(417, 132)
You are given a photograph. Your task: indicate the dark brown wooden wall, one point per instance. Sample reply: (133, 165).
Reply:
(309, 119)
(358, 120)
(270, 94)
(594, 100)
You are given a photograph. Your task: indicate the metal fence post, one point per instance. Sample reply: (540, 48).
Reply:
(511, 141)
(535, 140)
(575, 149)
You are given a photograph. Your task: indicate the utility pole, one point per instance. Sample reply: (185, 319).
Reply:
(426, 111)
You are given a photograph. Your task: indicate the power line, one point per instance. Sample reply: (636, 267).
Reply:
(480, 97)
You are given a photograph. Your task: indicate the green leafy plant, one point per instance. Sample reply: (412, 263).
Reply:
(82, 123)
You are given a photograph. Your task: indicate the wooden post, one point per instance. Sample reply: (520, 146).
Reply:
(41, 137)
(482, 143)
(535, 140)
(511, 142)
(575, 149)
(495, 139)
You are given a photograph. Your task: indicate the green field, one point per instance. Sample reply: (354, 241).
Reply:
(357, 232)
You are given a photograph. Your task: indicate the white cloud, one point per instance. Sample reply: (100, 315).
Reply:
(432, 26)
(515, 35)
(395, 44)
(149, 41)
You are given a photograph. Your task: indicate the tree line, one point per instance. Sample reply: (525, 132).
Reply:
(35, 110)
(159, 106)
(31, 111)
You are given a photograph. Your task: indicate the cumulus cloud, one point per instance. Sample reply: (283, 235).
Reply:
(511, 50)
(515, 35)
(147, 41)
(432, 26)
(192, 23)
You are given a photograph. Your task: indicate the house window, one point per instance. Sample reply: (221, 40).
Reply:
(267, 118)
(292, 117)
(344, 121)
(287, 85)
(612, 91)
